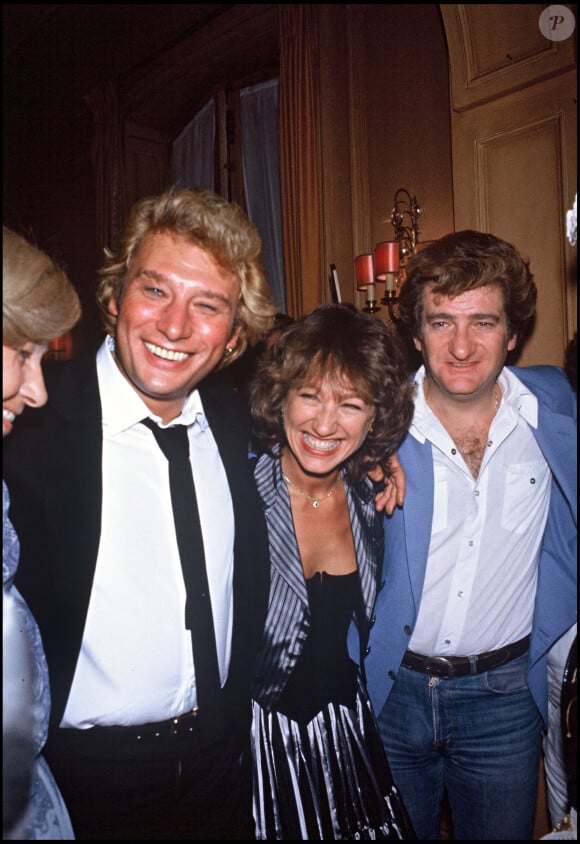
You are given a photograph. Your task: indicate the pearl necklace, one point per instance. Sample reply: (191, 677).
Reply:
(314, 498)
(497, 394)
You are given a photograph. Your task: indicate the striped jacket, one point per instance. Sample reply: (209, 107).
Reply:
(288, 618)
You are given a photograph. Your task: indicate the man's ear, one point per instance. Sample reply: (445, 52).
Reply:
(512, 342)
(417, 343)
(112, 306)
(233, 338)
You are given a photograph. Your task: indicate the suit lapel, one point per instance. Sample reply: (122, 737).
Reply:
(74, 466)
(368, 537)
(229, 424)
(417, 513)
(65, 464)
(284, 557)
(556, 436)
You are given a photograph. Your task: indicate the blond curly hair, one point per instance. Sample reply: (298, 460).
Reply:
(209, 221)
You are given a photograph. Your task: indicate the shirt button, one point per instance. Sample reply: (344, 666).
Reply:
(470, 543)
(408, 630)
(532, 480)
(447, 641)
(476, 492)
(453, 451)
(460, 594)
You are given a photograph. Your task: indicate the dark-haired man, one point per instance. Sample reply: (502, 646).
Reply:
(480, 563)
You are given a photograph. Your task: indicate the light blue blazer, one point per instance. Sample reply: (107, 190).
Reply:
(408, 534)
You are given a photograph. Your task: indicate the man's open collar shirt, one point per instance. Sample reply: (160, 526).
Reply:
(481, 575)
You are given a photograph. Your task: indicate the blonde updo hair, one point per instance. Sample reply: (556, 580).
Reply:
(209, 221)
(39, 302)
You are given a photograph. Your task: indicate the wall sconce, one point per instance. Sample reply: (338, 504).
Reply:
(390, 256)
(404, 220)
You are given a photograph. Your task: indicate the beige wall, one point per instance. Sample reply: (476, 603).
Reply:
(386, 118)
(513, 113)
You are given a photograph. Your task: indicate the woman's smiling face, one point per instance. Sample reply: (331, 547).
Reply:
(324, 424)
(22, 381)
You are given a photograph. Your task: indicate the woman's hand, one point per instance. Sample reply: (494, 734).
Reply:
(393, 494)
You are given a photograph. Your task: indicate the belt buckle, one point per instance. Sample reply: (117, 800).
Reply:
(176, 724)
(440, 666)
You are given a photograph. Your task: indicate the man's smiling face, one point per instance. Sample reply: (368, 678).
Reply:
(175, 317)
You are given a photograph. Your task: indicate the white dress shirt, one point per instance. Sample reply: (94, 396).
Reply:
(481, 575)
(136, 662)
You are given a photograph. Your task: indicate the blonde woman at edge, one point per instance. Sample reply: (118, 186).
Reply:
(39, 305)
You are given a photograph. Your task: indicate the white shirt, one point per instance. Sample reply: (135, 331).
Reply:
(480, 582)
(136, 662)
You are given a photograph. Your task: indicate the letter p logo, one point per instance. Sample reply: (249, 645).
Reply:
(557, 23)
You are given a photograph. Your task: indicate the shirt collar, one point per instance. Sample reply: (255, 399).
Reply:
(121, 404)
(519, 397)
(515, 395)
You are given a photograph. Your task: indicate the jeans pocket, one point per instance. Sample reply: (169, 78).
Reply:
(509, 678)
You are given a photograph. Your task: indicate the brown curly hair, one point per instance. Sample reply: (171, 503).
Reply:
(342, 344)
(467, 260)
(209, 221)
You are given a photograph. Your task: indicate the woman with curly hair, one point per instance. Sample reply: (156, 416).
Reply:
(329, 403)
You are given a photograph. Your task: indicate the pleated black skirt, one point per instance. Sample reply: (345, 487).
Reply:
(328, 779)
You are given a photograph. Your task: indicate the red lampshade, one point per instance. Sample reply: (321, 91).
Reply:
(364, 271)
(386, 258)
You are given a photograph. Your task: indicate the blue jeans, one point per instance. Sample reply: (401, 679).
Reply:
(477, 737)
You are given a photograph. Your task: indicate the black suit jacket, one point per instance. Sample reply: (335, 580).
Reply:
(53, 469)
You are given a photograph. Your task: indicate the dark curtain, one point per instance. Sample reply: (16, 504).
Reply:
(107, 153)
(300, 165)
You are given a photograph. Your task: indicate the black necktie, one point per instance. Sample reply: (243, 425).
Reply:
(174, 444)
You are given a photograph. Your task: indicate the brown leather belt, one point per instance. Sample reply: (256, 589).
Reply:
(460, 666)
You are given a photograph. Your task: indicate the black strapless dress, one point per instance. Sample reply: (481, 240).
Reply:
(320, 768)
